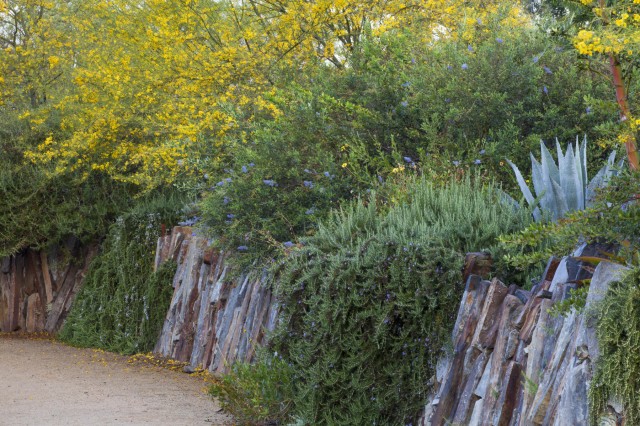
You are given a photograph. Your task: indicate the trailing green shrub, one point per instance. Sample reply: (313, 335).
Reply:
(256, 394)
(122, 305)
(617, 369)
(368, 303)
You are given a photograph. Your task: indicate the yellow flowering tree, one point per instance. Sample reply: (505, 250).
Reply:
(148, 81)
(614, 33)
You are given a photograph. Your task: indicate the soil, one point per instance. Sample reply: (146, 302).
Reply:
(44, 382)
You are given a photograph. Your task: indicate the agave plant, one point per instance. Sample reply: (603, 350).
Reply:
(563, 187)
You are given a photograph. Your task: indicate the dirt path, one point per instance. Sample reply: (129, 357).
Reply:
(44, 382)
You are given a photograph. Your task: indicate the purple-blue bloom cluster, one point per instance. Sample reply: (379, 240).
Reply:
(243, 248)
(269, 182)
(308, 183)
(190, 222)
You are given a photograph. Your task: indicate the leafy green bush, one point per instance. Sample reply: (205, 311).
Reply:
(368, 303)
(38, 210)
(256, 394)
(452, 102)
(617, 369)
(122, 305)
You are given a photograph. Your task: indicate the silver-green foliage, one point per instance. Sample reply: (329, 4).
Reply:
(563, 187)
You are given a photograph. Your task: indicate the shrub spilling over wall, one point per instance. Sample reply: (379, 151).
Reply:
(123, 302)
(616, 378)
(368, 302)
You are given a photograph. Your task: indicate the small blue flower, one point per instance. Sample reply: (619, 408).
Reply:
(535, 59)
(406, 84)
(456, 163)
(220, 183)
(206, 176)
(225, 200)
(499, 40)
(413, 60)
(308, 183)
(228, 180)
(380, 179)
(447, 100)
(243, 248)
(589, 110)
(327, 174)
(308, 171)
(470, 48)
(288, 244)
(547, 70)
(407, 159)
(479, 21)
(449, 67)
(482, 152)
(269, 182)
(545, 90)
(231, 216)
(310, 211)
(477, 162)
(252, 165)
(465, 66)
(404, 104)
(244, 169)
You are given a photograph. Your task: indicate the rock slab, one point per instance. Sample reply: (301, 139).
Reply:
(216, 317)
(514, 364)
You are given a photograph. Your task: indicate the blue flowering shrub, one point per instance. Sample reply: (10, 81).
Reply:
(283, 179)
(367, 304)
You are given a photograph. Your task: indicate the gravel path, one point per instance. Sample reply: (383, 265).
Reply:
(44, 382)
